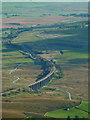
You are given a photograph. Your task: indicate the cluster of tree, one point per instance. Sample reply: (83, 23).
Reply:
(14, 23)
(76, 118)
(46, 66)
(75, 25)
(9, 89)
(9, 15)
(75, 15)
(10, 93)
(59, 74)
(15, 92)
(48, 88)
(43, 15)
(13, 32)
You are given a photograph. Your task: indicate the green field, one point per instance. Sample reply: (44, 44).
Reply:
(84, 106)
(72, 113)
(45, 40)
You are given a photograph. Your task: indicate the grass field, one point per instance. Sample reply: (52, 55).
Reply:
(84, 106)
(72, 113)
(55, 33)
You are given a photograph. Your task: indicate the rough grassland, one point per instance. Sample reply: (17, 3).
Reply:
(33, 104)
(27, 72)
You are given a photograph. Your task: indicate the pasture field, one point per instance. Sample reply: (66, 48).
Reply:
(71, 113)
(56, 36)
(84, 106)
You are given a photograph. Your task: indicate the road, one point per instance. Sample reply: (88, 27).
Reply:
(69, 95)
(17, 78)
(29, 54)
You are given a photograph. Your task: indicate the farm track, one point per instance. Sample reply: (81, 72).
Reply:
(14, 75)
(69, 94)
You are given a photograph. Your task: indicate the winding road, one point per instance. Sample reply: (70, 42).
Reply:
(69, 94)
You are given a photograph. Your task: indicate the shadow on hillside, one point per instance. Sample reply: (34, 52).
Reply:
(71, 43)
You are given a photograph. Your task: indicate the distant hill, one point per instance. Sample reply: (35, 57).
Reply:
(34, 10)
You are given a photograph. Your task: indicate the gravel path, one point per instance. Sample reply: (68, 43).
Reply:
(17, 78)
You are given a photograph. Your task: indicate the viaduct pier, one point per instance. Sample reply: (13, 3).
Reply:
(44, 81)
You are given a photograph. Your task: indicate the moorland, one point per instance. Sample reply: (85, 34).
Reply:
(53, 33)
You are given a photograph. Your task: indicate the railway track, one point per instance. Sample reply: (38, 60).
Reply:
(42, 82)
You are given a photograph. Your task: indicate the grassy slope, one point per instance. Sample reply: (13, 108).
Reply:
(72, 112)
(83, 106)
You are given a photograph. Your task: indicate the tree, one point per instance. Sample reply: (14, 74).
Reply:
(68, 118)
(76, 117)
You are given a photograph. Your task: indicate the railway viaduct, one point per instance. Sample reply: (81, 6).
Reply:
(44, 81)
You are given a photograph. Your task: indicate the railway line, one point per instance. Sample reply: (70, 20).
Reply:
(44, 81)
